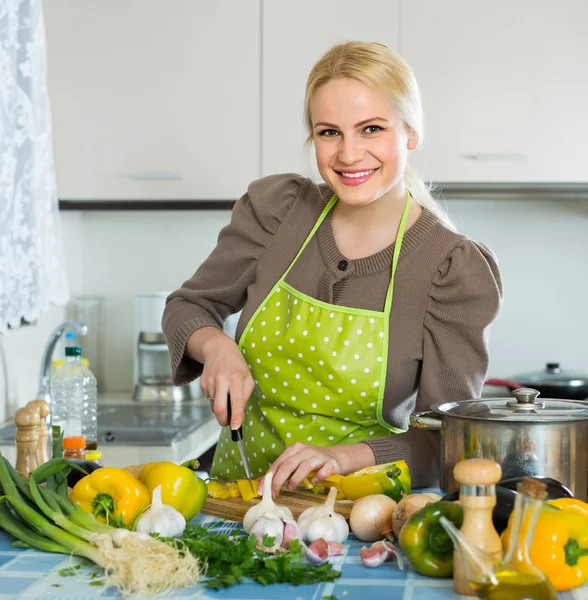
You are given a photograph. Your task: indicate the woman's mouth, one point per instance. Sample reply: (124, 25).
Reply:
(355, 177)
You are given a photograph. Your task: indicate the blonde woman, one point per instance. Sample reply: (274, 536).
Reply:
(360, 303)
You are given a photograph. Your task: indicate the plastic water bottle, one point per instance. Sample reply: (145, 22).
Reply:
(74, 398)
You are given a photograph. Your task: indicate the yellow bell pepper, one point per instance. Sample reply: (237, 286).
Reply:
(559, 547)
(111, 494)
(323, 486)
(181, 488)
(572, 505)
(391, 479)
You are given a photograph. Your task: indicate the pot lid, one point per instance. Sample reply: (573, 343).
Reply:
(524, 407)
(554, 375)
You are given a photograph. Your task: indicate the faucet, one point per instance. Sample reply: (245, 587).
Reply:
(44, 379)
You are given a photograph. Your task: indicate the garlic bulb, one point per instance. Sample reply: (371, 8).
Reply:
(269, 525)
(161, 518)
(323, 522)
(266, 507)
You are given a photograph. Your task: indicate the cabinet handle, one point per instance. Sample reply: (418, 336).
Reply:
(156, 176)
(499, 157)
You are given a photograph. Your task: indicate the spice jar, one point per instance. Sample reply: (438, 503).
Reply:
(73, 446)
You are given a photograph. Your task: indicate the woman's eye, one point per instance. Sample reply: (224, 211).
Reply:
(327, 132)
(373, 128)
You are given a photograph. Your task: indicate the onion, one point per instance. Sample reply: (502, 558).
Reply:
(408, 505)
(371, 517)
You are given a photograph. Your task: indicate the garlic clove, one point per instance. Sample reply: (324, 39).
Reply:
(291, 532)
(378, 553)
(316, 552)
(335, 548)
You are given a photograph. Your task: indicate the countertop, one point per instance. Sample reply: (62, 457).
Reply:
(30, 574)
(192, 446)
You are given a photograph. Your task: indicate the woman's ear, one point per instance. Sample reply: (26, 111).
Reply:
(413, 140)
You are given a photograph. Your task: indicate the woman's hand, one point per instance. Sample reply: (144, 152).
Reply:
(225, 373)
(299, 459)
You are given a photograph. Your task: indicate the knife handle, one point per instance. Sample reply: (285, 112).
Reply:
(236, 434)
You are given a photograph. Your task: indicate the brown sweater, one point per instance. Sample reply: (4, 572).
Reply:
(447, 291)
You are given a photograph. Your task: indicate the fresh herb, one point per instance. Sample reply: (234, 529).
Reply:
(329, 597)
(228, 560)
(95, 582)
(68, 571)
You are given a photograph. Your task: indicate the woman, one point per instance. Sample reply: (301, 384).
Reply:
(360, 304)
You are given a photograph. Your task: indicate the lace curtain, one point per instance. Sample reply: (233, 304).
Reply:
(32, 272)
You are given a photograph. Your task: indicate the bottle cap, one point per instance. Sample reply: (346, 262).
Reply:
(74, 442)
(93, 455)
(73, 351)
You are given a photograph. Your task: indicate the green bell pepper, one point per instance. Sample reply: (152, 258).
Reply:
(424, 541)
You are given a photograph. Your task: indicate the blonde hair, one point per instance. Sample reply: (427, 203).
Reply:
(386, 72)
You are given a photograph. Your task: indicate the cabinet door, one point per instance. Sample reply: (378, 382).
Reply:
(295, 36)
(154, 99)
(504, 88)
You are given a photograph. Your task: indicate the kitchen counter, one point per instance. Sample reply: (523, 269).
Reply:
(30, 574)
(198, 441)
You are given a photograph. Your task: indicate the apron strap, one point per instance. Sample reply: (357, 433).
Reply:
(324, 214)
(396, 255)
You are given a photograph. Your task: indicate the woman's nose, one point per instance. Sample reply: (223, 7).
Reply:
(350, 150)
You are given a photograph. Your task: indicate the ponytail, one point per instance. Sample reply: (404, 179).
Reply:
(422, 193)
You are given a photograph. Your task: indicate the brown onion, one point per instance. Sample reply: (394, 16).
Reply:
(408, 505)
(371, 517)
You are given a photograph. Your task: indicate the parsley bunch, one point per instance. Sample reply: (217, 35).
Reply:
(228, 560)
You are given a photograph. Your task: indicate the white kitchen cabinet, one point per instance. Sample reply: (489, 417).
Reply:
(295, 36)
(504, 87)
(154, 99)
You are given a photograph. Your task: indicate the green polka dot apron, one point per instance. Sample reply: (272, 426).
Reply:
(319, 371)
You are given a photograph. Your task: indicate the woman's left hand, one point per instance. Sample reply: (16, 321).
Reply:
(298, 460)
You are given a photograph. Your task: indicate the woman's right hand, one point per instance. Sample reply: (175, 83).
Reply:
(225, 373)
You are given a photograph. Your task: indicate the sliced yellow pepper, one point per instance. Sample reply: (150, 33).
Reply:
(245, 490)
(111, 494)
(181, 488)
(323, 486)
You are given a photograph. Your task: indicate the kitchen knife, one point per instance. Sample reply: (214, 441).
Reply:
(237, 436)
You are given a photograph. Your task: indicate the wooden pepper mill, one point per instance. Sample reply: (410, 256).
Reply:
(43, 429)
(27, 439)
(477, 478)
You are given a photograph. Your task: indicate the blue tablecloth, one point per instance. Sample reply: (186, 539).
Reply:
(30, 574)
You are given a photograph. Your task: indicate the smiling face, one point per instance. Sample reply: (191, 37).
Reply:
(360, 141)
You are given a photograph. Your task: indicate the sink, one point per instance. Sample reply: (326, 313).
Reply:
(140, 424)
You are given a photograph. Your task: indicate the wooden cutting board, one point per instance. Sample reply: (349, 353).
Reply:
(234, 509)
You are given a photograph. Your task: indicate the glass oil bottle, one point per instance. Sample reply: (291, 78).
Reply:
(515, 577)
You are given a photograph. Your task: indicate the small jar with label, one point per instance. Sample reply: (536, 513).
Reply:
(74, 446)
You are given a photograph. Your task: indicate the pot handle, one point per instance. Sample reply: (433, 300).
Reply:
(426, 420)
(508, 383)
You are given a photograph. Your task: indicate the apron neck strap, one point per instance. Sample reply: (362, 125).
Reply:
(396, 255)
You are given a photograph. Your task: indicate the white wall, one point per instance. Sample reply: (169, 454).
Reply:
(541, 245)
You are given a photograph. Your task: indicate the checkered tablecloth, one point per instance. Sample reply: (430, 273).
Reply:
(31, 575)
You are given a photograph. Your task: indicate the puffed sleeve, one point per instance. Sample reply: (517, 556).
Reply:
(218, 288)
(465, 298)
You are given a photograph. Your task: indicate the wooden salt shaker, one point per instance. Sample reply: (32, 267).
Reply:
(477, 478)
(43, 429)
(27, 439)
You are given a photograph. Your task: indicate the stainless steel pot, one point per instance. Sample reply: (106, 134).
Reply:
(526, 436)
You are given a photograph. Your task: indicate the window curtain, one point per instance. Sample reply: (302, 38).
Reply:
(32, 271)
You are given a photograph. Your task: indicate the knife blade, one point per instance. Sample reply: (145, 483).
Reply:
(237, 436)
